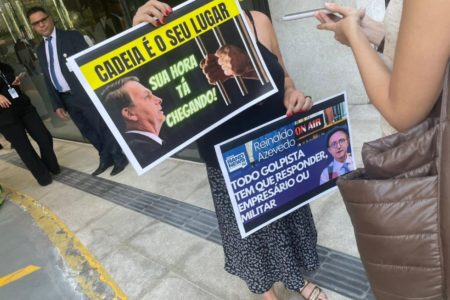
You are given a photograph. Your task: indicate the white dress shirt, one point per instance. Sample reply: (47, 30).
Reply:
(57, 68)
(338, 168)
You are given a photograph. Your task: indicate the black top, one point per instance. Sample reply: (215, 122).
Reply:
(252, 117)
(8, 75)
(18, 105)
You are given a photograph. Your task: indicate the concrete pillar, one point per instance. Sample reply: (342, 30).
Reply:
(319, 65)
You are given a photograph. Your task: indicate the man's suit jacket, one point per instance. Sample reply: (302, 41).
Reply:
(142, 147)
(67, 43)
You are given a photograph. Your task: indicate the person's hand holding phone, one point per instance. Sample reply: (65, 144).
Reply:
(343, 16)
(18, 80)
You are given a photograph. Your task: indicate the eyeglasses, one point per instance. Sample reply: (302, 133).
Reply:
(39, 22)
(338, 143)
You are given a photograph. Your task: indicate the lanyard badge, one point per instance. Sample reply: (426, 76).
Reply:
(12, 91)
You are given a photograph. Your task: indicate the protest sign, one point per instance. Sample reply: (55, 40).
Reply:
(282, 165)
(149, 86)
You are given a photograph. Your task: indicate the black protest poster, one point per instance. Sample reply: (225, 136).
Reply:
(149, 83)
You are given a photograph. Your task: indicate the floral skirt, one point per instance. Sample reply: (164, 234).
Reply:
(278, 252)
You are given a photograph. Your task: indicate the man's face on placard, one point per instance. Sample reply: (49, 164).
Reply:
(42, 23)
(338, 145)
(145, 113)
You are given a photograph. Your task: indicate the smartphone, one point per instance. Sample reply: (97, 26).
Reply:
(303, 14)
(21, 75)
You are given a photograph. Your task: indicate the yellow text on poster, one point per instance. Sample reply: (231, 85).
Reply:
(148, 47)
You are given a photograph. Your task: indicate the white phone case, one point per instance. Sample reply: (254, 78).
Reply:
(303, 14)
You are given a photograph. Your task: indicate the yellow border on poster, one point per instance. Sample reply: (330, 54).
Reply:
(152, 45)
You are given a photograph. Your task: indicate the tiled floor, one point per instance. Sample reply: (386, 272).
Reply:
(156, 256)
(338, 271)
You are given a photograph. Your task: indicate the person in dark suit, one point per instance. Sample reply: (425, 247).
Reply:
(19, 117)
(138, 114)
(67, 93)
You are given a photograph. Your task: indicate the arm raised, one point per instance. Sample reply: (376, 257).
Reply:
(406, 95)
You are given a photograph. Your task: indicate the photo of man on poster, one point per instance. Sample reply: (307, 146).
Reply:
(138, 114)
(337, 145)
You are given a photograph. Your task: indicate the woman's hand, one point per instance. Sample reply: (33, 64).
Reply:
(295, 102)
(351, 19)
(4, 102)
(153, 12)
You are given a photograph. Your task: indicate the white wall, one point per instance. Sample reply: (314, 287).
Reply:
(319, 65)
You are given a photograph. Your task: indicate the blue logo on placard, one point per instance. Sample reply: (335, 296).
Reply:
(236, 162)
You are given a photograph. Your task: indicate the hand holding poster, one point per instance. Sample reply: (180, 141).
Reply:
(160, 89)
(282, 165)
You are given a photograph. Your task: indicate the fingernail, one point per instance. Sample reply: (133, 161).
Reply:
(158, 23)
(163, 20)
(288, 114)
(168, 11)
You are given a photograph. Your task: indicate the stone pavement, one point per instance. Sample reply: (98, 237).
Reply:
(25, 247)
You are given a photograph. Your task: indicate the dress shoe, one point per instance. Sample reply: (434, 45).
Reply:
(119, 168)
(45, 182)
(56, 171)
(101, 168)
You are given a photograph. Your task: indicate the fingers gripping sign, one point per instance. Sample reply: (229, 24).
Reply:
(295, 102)
(153, 12)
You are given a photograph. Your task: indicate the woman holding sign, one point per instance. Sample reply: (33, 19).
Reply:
(279, 251)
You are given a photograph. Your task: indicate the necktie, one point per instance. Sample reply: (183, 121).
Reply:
(345, 169)
(51, 59)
